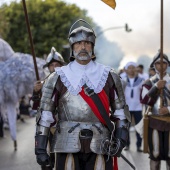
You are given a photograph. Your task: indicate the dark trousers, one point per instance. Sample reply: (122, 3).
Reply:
(1, 126)
(161, 142)
(82, 161)
(137, 117)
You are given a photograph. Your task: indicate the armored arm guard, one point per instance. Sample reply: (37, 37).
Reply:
(42, 133)
(122, 126)
(153, 91)
(120, 102)
(41, 140)
(47, 104)
(150, 93)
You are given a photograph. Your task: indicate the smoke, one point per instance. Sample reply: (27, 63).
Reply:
(107, 52)
(145, 61)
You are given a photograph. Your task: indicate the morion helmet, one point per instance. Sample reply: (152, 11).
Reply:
(54, 56)
(81, 31)
(157, 57)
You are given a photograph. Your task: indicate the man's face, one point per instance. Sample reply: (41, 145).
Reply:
(158, 66)
(82, 50)
(53, 65)
(131, 71)
(152, 72)
(139, 70)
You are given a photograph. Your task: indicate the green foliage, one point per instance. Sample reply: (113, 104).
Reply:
(50, 21)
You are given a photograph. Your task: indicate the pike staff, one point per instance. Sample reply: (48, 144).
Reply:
(31, 41)
(161, 53)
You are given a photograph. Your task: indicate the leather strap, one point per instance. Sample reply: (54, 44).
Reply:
(97, 101)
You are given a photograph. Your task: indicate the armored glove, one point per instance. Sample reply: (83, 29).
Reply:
(40, 150)
(121, 135)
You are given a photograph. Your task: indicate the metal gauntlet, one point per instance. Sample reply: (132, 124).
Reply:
(122, 130)
(41, 140)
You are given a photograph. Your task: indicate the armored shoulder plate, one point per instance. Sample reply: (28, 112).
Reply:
(46, 100)
(148, 82)
(120, 102)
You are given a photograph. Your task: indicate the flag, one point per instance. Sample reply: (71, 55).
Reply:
(111, 3)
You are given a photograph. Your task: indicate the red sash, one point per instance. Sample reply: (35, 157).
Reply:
(103, 97)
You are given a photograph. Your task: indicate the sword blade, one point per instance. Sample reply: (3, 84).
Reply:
(126, 160)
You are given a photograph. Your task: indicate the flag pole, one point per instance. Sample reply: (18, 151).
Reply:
(161, 53)
(31, 41)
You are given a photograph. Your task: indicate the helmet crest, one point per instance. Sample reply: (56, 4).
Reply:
(54, 56)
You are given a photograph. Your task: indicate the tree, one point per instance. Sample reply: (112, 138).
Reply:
(50, 21)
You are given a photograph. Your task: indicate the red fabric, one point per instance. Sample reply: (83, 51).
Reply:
(115, 163)
(103, 97)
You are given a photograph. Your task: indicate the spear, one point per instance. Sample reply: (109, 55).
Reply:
(161, 53)
(31, 41)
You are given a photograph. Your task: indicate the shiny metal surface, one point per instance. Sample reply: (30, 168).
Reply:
(46, 100)
(54, 56)
(41, 130)
(120, 102)
(166, 96)
(66, 142)
(74, 108)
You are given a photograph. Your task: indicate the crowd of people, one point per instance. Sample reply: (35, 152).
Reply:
(84, 109)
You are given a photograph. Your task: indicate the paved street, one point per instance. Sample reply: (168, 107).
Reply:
(24, 158)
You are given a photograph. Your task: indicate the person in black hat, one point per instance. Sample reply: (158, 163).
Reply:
(54, 60)
(156, 94)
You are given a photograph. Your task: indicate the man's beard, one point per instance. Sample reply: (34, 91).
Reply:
(83, 57)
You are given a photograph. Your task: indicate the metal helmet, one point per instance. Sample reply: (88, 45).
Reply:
(53, 57)
(157, 58)
(81, 31)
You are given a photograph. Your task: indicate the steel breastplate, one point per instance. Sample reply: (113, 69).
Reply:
(75, 115)
(74, 108)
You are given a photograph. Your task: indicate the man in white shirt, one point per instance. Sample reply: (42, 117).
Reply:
(132, 94)
(141, 73)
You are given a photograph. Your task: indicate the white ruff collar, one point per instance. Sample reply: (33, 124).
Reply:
(75, 75)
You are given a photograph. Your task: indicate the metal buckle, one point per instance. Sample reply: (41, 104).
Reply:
(85, 134)
(89, 92)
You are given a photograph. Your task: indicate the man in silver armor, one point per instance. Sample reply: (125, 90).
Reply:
(54, 60)
(87, 96)
(159, 120)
